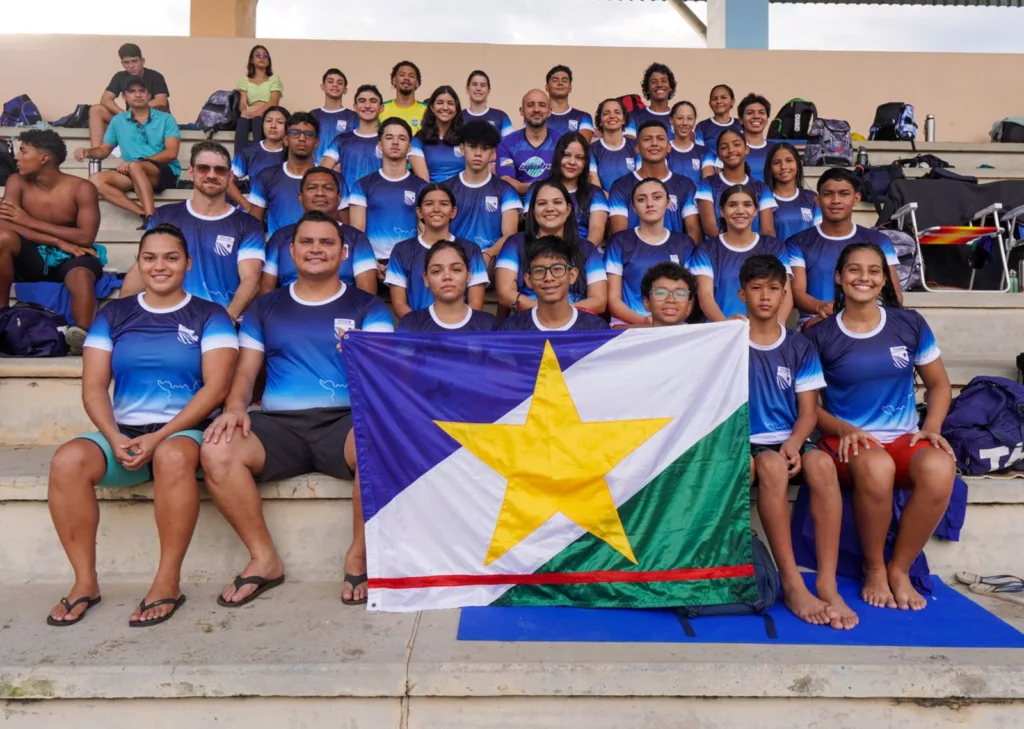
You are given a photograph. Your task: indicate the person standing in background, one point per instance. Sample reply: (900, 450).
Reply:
(259, 89)
(335, 120)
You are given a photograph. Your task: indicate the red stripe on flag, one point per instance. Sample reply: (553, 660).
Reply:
(565, 578)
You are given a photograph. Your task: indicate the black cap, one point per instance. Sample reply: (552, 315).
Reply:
(137, 81)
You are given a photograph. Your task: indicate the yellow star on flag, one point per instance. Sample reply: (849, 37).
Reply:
(555, 463)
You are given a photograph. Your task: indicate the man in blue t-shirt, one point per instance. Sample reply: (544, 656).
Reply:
(148, 139)
(335, 120)
(563, 118)
(306, 415)
(225, 244)
(524, 156)
(356, 154)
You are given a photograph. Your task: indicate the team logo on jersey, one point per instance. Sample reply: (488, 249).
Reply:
(534, 167)
(630, 164)
(492, 123)
(574, 125)
(807, 215)
(343, 325)
(186, 335)
(341, 125)
(783, 377)
(673, 203)
(900, 357)
(379, 153)
(224, 245)
(458, 152)
(695, 163)
(674, 258)
(410, 197)
(491, 203)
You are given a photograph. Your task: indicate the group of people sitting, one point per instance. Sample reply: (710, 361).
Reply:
(428, 219)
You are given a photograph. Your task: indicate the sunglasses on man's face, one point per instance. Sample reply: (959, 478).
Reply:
(219, 170)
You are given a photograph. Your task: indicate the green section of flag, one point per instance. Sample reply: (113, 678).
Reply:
(694, 514)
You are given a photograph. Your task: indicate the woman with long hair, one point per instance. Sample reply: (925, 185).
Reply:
(435, 154)
(478, 89)
(258, 90)
(447, 274)
(732, 152)
(870, 350)
(797, 206)
(685, 156)
(570, 166)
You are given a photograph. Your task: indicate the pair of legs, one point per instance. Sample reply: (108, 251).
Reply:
(242, 129)
(20, 260)
(143, 177)
(772, 473)
(99, 120)
(77, 468)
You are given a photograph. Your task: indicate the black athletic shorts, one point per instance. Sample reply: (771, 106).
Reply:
(165, 179)
(303, 441)
(30, 267)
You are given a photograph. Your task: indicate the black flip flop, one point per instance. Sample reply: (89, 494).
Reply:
(143, 607)
(262, 585)
(69, 606)
(355, 581)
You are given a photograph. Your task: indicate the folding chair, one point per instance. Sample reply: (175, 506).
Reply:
(957, 235)
(1013, 221)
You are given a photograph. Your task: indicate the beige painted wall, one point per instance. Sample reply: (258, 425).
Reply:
(966, 92)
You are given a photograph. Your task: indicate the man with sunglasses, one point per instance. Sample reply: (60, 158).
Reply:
(148, 139)
(668, 291)
(225, 244)
(550, 271)
(275, 190)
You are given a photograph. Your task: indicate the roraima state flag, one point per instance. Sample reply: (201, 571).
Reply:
(594, 469)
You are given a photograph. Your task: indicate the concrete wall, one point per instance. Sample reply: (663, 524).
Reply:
(966, 92)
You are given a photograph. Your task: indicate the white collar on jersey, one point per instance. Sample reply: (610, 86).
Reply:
(563, 328)
(180, 305)
(769, 347)
(664, 238)
(864, 335)
(451, 237)
(443, 325)
(757, 238)
(295, 297)
(230, 211)
(837, 237)
(479, 184)
(393, 179)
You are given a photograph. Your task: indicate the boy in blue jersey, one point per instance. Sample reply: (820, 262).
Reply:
(563, 118)
(814, 252)
(275, 192)
(550, 272)
(755, 110)
(785, 376)
(669, 292)
(226, 244)
(319, 191)
(658, 87)
(335, 120)
(306, 411)
(357, 154)
(254, 158)
(383, 204)
(488, 207)
(524, 156)
(652, 145)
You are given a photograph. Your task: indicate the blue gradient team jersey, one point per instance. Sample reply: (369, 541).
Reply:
(681, 200)
(523, 162)
(711, 189)
(581, 321)
(444, 161)
(217, 244)
(157, 354)
(707, 132)
(253, 159)
(333, 124)
(390, 209)
(276, 190)
(572, 120)
(425, 320)
(612, 163)
(511, 259)
(690, 162)
(778, 372)
(597, 203)
(357, 156)
(630, 257)
(818, 254)
(299, 340)
(639, 116)
(480, 207)
(359, 256)
(870, 376)
(725, 266)
(756, 158)
(495, 117)
(408, 264)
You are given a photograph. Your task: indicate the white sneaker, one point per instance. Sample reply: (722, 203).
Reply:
(74, 335)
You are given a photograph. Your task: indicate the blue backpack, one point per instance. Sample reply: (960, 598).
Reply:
(31, 330)
(985, 426)
(894, 122)
(20, 111)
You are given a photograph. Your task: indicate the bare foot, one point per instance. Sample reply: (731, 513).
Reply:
(78, 590)
(845, 617)
(159, 590)
(875, 590)
(355, 564)
(805, 605)
(271, 570)
(906, 597)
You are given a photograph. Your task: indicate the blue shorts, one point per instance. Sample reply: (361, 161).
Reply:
(116, 475)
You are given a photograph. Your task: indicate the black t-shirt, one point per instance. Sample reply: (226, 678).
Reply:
(153, 79)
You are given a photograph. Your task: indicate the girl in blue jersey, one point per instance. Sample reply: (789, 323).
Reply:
(732, 152)
(631, 253)
(614, 154)
(721, 101)
(685, 156)
(171, 357)
(551, 214)
(719, 294)
(435, 210)
(798, 207)
(570, 165)
(478, 88)
(252, 159)
(435, 155)
(447, 275)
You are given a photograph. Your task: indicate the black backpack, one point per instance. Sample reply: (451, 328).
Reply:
(78, 119)
(31, 330)
(8, 166)
(219, 113)
(894, 122)
(794, 120)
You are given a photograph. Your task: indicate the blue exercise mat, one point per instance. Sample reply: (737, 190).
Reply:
(951, 620)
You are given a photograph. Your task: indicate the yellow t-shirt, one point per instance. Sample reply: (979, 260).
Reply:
(412, 115)
(256, 93)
